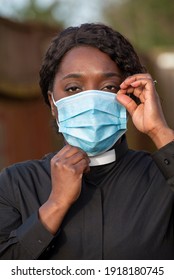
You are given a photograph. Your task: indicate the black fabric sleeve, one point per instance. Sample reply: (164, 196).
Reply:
(164, 159)
(22, 235)
(28, 241)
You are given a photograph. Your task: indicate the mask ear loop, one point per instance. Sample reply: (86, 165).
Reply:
(53, 99)
(54, 102)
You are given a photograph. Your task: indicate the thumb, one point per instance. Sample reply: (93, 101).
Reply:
(127, 102)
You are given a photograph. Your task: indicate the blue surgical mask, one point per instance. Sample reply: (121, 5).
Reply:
(92, 120)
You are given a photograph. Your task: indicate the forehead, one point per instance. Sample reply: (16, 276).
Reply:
(86, 57)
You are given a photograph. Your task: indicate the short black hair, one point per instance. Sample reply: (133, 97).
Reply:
(100, 36)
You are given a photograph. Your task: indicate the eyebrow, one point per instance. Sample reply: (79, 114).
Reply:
(111, 74)
(73, 75)
(105, 75)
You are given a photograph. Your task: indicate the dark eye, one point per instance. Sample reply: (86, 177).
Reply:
(111, 88)
(73, 89)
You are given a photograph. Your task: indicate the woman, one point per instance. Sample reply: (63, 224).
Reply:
(95, 198)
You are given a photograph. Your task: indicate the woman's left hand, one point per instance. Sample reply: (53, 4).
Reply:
(147, 116)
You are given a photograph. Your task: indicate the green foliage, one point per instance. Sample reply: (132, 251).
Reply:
(32, 11)
(146, 23)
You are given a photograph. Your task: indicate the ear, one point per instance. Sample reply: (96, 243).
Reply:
(53, 107)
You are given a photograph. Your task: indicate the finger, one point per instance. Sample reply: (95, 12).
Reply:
(68, 151)
(82, 166)
(127, 82)
(64, 150)
(74, 150)
(127, 102)
(138, 91)
(142, 83)
(139, 88)
(69, 157)
(77, 157)
(143, 89)
(74, 164)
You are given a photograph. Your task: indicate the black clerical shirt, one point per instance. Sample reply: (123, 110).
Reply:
(125, 210)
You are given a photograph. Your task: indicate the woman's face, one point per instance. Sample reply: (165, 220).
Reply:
(85, 68)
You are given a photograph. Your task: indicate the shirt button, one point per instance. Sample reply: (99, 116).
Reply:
(40, 241)
(166, 161)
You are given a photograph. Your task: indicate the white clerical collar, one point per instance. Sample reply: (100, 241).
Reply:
(105, 158)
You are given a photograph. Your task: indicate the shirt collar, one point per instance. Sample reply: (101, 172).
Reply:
(105, 158)
(114, 154)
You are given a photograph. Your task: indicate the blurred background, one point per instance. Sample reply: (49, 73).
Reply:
(26, 28)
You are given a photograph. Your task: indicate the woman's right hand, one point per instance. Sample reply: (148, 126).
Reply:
(67, 168)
